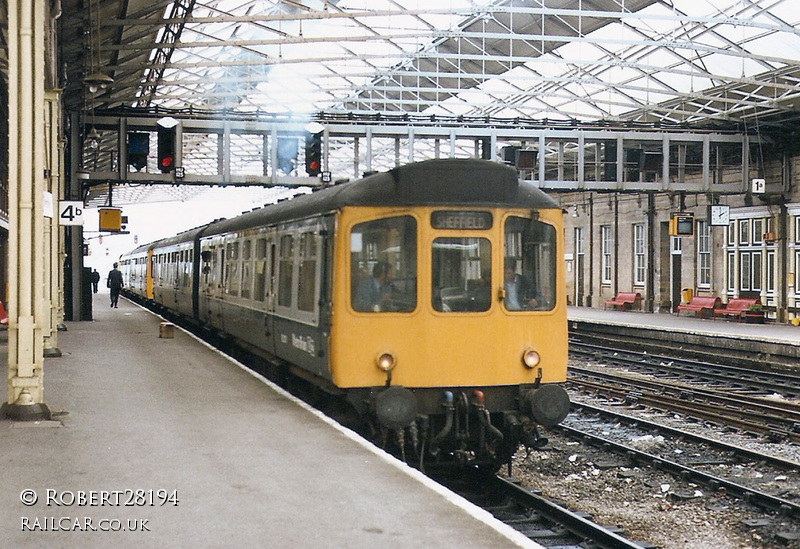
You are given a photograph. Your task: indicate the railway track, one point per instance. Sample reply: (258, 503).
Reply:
(539, 518)
(732, 377)
(688, 473)
(776, 420)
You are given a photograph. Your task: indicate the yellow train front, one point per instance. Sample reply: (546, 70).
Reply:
(449, 324)
(430, 297)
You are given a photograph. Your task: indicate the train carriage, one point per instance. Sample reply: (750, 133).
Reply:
(431, 297)
(134, 267)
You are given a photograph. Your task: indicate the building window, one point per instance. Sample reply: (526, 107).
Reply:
(758, 231)
(731, 273)
(771, 272)
(606, 246)
(745, 273)
(639, 259)
(797, 229)
(755, 271)
(703, 254)
(579, 241)
(744, 231)
(796, 272)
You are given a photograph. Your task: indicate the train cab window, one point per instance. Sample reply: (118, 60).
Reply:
(383, 260)
(530, 265)
(462, 275)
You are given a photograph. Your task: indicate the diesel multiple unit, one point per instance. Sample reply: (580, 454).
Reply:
(430, 297)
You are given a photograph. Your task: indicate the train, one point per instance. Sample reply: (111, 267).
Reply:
(430, 298)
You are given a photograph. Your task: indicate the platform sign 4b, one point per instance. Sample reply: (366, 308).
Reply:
(70, 212)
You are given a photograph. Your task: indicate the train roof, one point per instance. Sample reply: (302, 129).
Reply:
(439, 182)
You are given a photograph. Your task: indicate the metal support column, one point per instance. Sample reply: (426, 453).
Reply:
(52, 233)
(26, 28)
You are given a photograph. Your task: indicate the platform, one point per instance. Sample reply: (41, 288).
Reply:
(770, 338)
(163, 442)
(684, 323)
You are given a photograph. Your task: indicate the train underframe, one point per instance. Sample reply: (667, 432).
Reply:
(464, 426)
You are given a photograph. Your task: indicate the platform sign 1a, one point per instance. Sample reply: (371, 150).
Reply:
(70, 212)
(759, 186)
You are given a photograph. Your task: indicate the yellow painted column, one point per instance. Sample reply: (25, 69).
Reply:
(26, 27)
(51, 318)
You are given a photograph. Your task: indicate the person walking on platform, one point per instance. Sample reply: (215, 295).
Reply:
(114, 282)
(95, 280)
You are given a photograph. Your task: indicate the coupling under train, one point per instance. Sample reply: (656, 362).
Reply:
(430, 297)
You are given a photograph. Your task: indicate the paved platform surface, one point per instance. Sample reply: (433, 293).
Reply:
(166, 443)
(769, 331)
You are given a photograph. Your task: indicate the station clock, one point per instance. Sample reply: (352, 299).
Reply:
(719, 215)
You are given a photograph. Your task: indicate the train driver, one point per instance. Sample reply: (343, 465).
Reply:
(520, 293)
(374, 293)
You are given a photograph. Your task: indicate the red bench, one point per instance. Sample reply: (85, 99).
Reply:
(625, 300)
(739, 308)
(701, 304)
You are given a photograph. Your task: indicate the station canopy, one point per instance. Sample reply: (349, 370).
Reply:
(729, 64)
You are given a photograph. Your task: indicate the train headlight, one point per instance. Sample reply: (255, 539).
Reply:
(386, 362)
(531, 358)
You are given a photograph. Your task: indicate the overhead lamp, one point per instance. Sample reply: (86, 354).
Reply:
(93, 139)
(167, 122)
(314, 127)
(97, 81)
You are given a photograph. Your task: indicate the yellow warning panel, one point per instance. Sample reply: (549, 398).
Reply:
(111, 219)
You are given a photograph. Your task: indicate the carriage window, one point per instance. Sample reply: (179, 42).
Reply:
(383, 259)
(462, 274)
(261, 269)
(232, 276)
(530, 265)
(307, 285)
(286, 271)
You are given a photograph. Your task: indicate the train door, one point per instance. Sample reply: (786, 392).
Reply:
(211, 261)
(149, 273)
(266, 249)
(176, 266)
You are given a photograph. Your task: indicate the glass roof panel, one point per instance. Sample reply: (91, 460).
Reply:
(591, 59)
